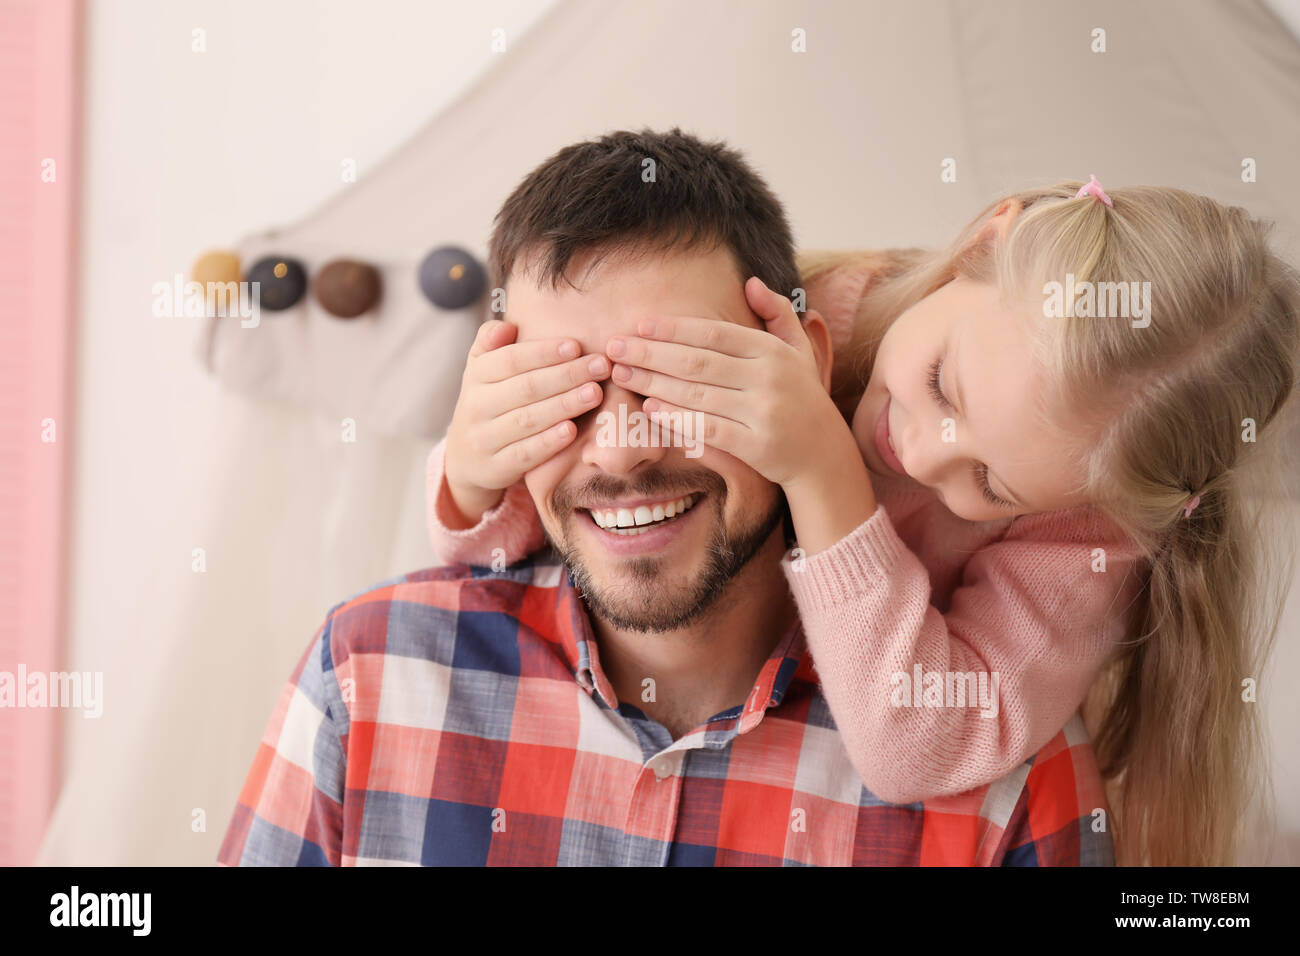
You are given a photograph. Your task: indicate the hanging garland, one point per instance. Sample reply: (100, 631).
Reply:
(449, 277)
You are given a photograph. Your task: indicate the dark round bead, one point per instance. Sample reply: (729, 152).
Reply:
(345, 288)
(281, 282)
(451, 278)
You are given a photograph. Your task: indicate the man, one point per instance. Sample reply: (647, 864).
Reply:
(639, 698)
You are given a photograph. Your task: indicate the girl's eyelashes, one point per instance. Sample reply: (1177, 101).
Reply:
(981, 469)
(935, 392)
(982, 479)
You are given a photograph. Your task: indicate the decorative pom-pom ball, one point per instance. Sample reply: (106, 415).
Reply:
(212, 271)
(345, 288)
(281, 281)
(451, 278)
(218, 266)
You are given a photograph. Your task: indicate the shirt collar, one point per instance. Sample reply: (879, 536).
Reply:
(788, 657)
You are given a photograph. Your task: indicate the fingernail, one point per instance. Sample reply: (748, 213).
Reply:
(597, 366)
(622, 373)
(568, 350)
(647, 327)
(616, 347)
(590, 392)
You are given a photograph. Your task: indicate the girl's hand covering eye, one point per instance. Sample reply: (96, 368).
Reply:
(756, 394)
(514, 409)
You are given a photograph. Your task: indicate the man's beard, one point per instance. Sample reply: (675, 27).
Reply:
(644, 606)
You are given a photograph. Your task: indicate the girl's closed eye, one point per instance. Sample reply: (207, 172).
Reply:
(935, 391)
(982, 479)
(981, 469)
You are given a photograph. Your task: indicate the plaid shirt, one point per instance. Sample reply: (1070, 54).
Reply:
(457, 716)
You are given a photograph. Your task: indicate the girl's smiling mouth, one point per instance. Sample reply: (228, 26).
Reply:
(884, 442)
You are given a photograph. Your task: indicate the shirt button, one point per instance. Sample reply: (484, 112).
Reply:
(662, 771)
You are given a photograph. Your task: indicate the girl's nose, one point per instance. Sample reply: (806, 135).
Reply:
(930, 453)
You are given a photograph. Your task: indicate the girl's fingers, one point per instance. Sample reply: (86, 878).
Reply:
(697, 396)
(519, 357)
(688, 362)
(492, 334)
(497, 398)
(712, 430)
(536, 417)
(527, 453)
(714, 334)
(777, 312)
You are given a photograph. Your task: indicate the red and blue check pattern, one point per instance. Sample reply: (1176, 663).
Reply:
(459, 716)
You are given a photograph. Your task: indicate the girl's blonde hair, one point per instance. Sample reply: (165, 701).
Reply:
(1190, 404)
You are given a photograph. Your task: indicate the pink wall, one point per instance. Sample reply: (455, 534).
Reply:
(40, 98)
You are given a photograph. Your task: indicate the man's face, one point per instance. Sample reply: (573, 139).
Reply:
(660, 576)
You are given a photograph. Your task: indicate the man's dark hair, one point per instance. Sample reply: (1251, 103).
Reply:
(593, 197)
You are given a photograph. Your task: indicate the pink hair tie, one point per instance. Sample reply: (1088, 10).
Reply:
(1191, 506)
(1094, 189)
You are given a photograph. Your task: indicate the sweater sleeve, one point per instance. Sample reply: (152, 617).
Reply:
(512, 525)
(1035, 616)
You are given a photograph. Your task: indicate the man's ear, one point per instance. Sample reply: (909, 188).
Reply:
(996, 225)
(819, 336)
(994, 229)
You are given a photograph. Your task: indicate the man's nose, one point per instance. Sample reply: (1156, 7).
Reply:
(619, 437)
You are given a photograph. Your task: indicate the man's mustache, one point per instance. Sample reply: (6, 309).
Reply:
(599, 489)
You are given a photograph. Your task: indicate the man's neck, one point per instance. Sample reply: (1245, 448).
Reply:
(710, 664)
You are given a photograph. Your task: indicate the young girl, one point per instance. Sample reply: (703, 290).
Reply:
(1104, 527)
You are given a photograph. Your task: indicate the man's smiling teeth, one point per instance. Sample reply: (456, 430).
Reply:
(619, 519)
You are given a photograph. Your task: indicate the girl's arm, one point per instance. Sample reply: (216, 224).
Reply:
(512, 525)
(1032, 621)
(1027, 631)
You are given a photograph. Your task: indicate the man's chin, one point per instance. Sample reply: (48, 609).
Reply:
(660, 591)
(642, 594)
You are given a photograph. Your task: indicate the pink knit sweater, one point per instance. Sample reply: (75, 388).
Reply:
(1030, 607)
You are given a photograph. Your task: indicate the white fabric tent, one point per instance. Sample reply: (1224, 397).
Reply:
(851, 134)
